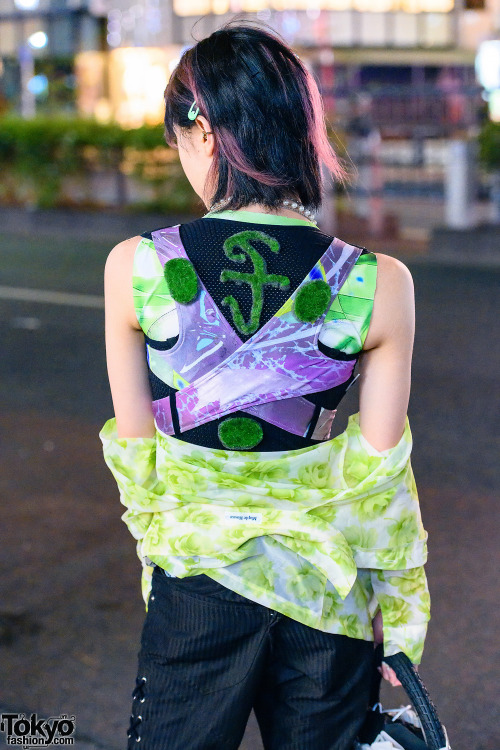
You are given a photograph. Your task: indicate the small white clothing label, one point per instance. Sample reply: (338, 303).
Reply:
(244, 517)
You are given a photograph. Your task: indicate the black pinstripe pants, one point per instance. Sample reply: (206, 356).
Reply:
(208, 656)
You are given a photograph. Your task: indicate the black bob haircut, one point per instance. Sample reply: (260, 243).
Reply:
(266, 114)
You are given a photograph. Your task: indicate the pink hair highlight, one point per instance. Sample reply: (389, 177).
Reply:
(229, 147)
(316, 127)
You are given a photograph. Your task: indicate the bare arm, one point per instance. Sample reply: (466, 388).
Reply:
(385, 373)
(385, 363)
(125, 349)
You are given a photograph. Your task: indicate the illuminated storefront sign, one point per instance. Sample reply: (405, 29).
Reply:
(488, 74)
(202, 7)
(125, 85)
(488, 64)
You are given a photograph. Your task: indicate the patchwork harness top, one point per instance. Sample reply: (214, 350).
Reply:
(265, 376)
(323, 534)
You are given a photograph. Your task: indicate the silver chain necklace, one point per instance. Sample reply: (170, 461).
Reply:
(292, 205)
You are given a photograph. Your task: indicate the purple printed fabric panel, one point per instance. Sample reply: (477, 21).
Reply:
(294, 417)
(205, 336)
(281, 361)
(162, 413)
(202, 323)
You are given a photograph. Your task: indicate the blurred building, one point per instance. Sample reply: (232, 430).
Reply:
(343, 24)
(401, 52)
(404, 54)
(395, 24)
(69, 25)
(42, 37)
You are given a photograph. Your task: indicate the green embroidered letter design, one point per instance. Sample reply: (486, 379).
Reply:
(257, 280)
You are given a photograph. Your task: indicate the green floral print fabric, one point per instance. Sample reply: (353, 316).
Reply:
(323, 534)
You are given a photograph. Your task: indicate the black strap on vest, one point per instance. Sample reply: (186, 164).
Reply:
(161, 346)
(313, 422)
(174, 412)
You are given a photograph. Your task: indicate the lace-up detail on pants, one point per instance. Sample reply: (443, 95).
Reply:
(138, 696)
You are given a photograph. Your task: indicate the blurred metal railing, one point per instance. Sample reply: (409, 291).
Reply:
(406, 111)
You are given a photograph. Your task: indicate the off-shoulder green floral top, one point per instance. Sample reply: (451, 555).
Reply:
(323, 535)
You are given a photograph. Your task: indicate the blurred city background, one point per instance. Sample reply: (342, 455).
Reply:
(412, 98)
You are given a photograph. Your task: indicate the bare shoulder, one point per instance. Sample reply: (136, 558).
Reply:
(393, 312)
(122, 255)
(393, 278)
(118, 273)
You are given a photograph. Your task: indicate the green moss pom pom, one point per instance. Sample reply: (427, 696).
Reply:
(181, 279)
(240, 433)
(312, 301)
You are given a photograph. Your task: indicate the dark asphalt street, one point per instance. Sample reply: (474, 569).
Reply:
(71, 609)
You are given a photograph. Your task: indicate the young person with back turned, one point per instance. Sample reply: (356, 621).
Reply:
(274, 556)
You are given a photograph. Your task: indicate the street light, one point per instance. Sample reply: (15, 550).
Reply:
(38, 85)
(38, 40)
(26, 4)
(29, 90)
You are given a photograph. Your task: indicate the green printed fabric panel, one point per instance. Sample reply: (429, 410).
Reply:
(153, 302)
(292, 530)
(348, 319)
